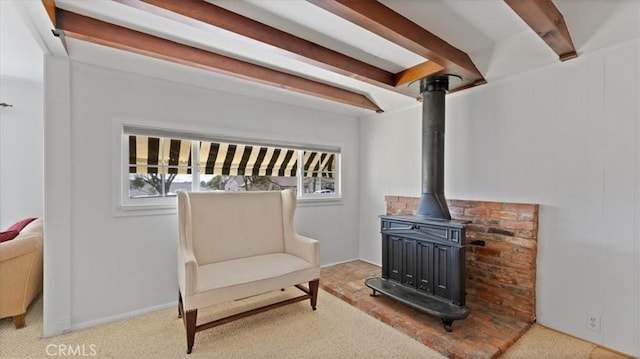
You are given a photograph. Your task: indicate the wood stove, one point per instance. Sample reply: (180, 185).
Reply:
(423, 256)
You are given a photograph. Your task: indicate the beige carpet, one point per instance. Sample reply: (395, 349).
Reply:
(335, 330)
(543, 343)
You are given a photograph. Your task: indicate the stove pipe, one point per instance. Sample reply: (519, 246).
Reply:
(432, 203)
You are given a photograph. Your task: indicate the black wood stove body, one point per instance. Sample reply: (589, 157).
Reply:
(423, 256)
(423, 263)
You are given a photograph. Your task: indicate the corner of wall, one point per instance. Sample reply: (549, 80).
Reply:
(57, 196)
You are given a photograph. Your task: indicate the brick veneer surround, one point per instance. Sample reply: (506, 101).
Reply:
(501, 274)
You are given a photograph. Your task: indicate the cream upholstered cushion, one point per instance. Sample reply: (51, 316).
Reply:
(232, 225)
(21, 270)
(239, 244)
(239, 278)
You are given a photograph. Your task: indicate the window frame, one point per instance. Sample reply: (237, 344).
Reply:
(165, 204)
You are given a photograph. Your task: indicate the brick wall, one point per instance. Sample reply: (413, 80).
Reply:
(501, 274)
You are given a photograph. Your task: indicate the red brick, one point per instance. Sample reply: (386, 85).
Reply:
(521, 292)
(397, 205)
(522, 242)
(503, 247)
(485, 267)
(489, 298)
(521, 258)
(489, 260)
(527, 226)
(504, 278)
(521, 207)
(484, 282)
(526, 316)
(491, 252)
(459, 203)
(489, 205)
(499, 293)
(475, 228)
(477, 212)
(527, 234)
(527, 216)
(526, 251)
(501, 309)
(470, 236)
(477, 273)
(508, 215)
(490, 222)
(519, 274)
(521, 305)
(391, 198)
(412, 202)
(516, 265)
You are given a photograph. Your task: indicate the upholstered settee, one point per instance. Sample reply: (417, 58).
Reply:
(234, 245)
(21, 272)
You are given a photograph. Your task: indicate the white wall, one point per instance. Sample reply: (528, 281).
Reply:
(567, 137)
(124, 265)
(21, 168)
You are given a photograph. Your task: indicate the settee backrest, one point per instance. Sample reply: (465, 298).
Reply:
(221, 226)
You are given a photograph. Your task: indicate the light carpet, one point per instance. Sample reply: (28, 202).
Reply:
(335, 330)
(544, 343)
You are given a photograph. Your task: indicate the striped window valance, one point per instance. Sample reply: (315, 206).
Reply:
(244, 160)
(319, 164)
(165, 155)
(159, 155)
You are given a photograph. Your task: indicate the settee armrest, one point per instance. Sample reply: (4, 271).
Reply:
(20, 246)
(305, 248)
(187, 272)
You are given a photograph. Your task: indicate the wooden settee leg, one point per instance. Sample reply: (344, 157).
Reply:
(19, 321)
(190, 325)
(313, 292)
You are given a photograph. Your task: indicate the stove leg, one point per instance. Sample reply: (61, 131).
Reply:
(447, 324)
(374, 294)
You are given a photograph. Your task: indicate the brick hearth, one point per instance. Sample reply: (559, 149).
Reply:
(484, 334)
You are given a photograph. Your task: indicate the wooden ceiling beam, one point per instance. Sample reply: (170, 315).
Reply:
(546, 20)
(89, 29)
(417, 72)
(381, 20)
(215, 19)
(50, 8)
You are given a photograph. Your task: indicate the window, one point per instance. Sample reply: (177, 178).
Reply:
(319, 172)
(159, 164)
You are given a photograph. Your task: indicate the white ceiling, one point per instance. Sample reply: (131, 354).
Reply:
(497, 40)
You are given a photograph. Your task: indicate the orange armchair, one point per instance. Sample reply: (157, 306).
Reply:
(21, 272)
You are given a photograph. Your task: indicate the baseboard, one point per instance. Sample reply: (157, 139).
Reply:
(115, 318)
(340, 262)
(625, 355)
(59, 328)
(347, 261)
(366, 261)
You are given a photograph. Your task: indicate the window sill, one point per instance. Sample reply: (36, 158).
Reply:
(158, 209)
(134, 210)
(319, 201)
